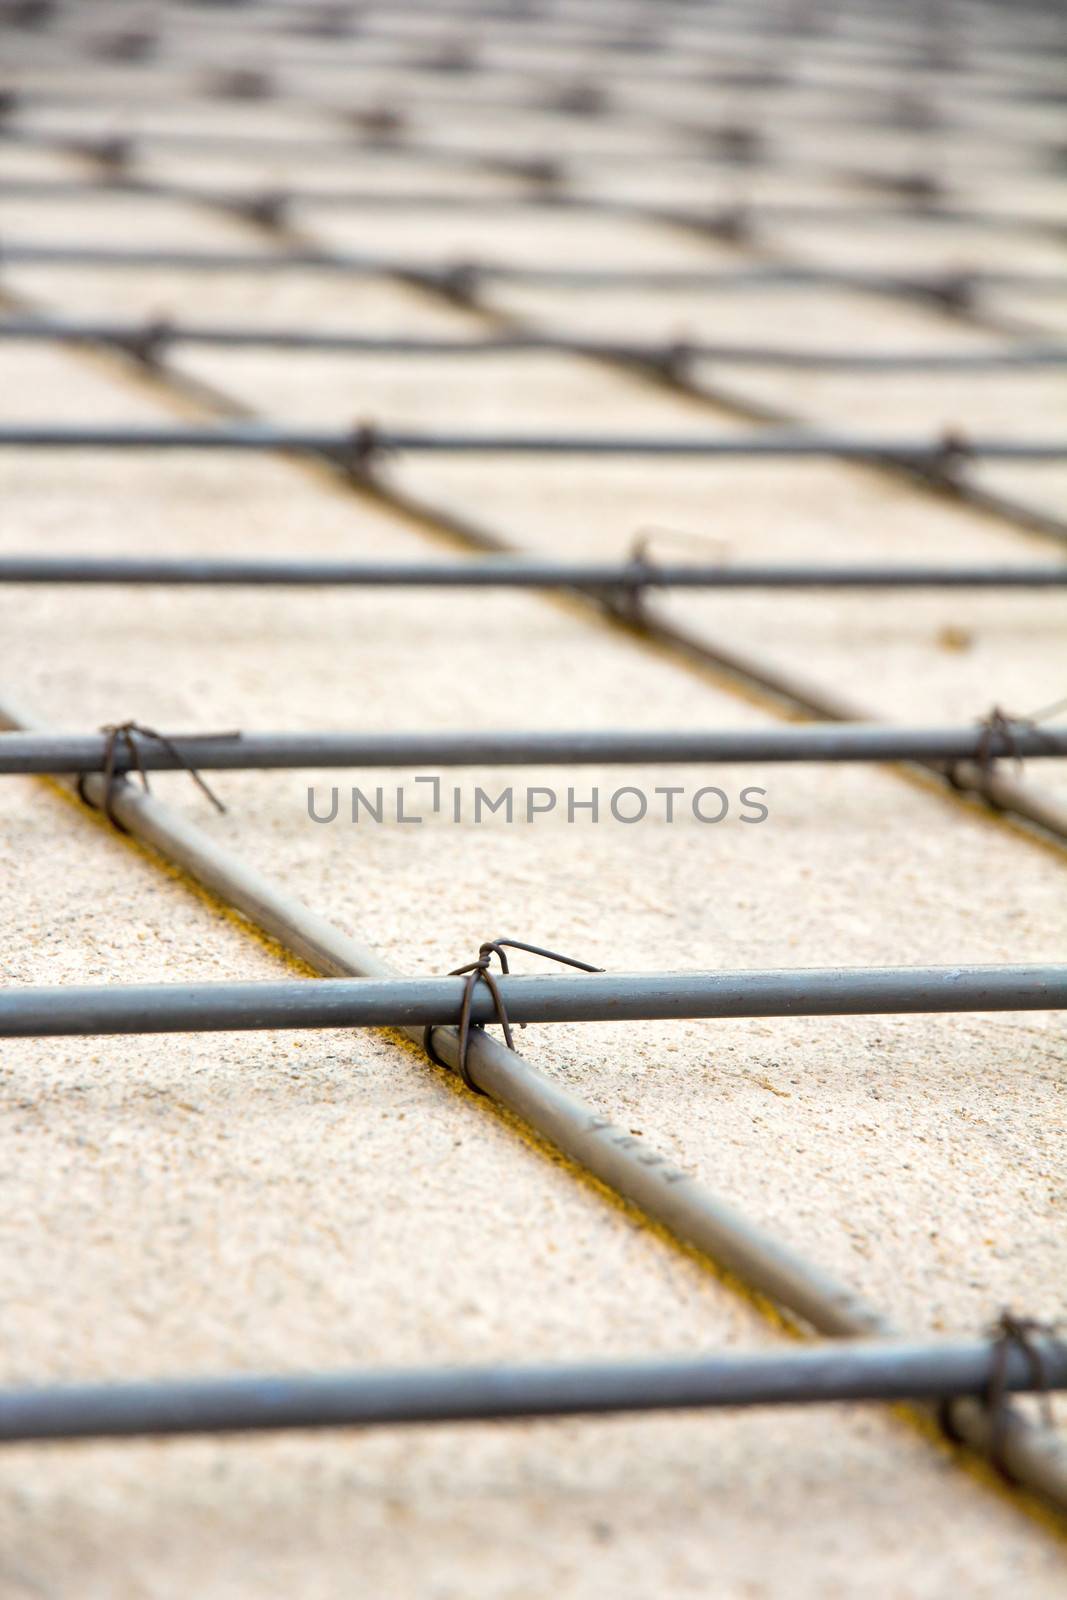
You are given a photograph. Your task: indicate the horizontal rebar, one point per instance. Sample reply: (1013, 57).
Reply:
(353, 446)
(880, 1370)
(70, 753)
(546, 197)
(947, 286)
(154, 336)
(708, 147)
(594, 997)
(611, 77)
(513, 573)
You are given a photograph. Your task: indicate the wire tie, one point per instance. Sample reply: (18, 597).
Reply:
(954, 291)
(674, 361)
(361, 451)
(125, 735)
(380, 123)
(128, 45)
(920, 187)
(1000, 724)
(736, 141)
(114, 153)
(460, 282)
(580, 99)
(540, 170)
(479, 971)
(458, 56)
(732, 225)
(1007, 1333)
(1018, 1332)
(642, 573)
(950, 453)
(149, 342)
(243, 83)
(266, 210)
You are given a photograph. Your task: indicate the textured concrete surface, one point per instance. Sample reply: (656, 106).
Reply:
(290, 1202)
(811, 317)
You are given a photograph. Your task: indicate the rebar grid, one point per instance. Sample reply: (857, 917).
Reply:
(635, 1172)
(460, 282)
(1035, 1459)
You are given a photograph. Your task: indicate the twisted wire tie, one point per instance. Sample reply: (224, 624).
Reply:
(125, 734)
(1007, 1333)
(1004, 725)
(479, 971)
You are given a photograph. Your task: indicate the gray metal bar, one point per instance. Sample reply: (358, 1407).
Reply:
(514, 573)
(345, 444)
(938, 286)
(594, 997)
(874, 363)
(635, 1172)
(165, 334)
(60, 753)
(710, 147)
(881, 1370)
(544, 198)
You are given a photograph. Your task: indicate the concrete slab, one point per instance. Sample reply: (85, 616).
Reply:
(286, 1202)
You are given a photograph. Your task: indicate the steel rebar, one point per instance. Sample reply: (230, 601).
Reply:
(130, 804)
(514, 573)
(66, 753)
(165, 334)
(883, 1370)
(948, 287)
(637, 1173)
(126, 185)
(352, 446)
(595, 997)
